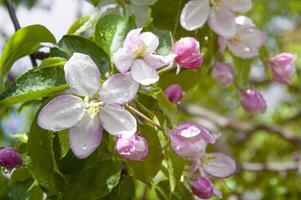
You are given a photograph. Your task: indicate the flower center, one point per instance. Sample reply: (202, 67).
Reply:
(93, 106)
(215, 2)
(140, 51)
(235, 39)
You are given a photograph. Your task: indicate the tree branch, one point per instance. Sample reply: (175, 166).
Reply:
(244, 126)
(278, 167)
(13, 17)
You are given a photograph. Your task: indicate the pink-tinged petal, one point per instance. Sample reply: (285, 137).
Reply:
(133, 148)
(219, 165)
(118, 121)
(150, 40)
(283, 67)
(61, 113)
(244, 21)
(143, 73)
(251, 36)
(222, 21)
(119, 89)
(82, 75)
(132, 39)
(249, 40)
(10, 158)
(157, 61)
(241, 6)
(243, 50)
(195, 166)
(194, 14)
(123, 59)
(202, 187)
(85, 137)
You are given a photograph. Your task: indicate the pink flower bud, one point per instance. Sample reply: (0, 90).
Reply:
(174, 93)
(9, 158)
(188, 53)
(253, 102)
(223, 73)
(283, 67)
(202, 187)
(133, 148)
(190, 139)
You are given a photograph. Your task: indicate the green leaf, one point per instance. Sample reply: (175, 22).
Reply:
(243, 69)
(64, 143)
(95, 181)
(110, 32)
(3, 188)
(175, 166)
(34, 84)
(95, 2)
(53, 62)
(124, 191)
(24, 42)
(181, 192)
(147, 169)
(42, 164)
(81, 24)
(73, 44)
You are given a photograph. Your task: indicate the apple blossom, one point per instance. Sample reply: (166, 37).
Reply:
(9, 158)
(217, 165)
(187, 51)
(223, 73)
(202, 187)
(283, 67)
(133, 148)
(247, 40)
(253, 102)
(100, 108)
(174, 93)
(219, 13)
(138, 56)
(190, 139)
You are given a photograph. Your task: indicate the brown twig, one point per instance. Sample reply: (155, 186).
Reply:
(244, 126)
(278, 167)
(143, 116)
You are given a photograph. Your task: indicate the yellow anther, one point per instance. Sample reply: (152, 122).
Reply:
(140, 52)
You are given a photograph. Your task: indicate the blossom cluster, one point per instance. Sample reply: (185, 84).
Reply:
(94, 104)
(240, 35)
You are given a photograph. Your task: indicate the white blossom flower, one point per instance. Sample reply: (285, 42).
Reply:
(138, 55)
(92, 108)
(219, 13)
(246, 42)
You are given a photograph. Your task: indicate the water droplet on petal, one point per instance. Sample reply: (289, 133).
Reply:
(84, 147)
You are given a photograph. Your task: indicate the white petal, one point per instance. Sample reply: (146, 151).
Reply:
(132, 39)
(250, 39)
(219, 165)
(119, 89)
(252, 36)
(244, 21)
(61, 112)
(82, 75)
(194, 14)
(118, 121)
(241, 6)
(222, 21)
(143, 73)
(150, 40)
(123, 59)
(157, 61)
(85, 137)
